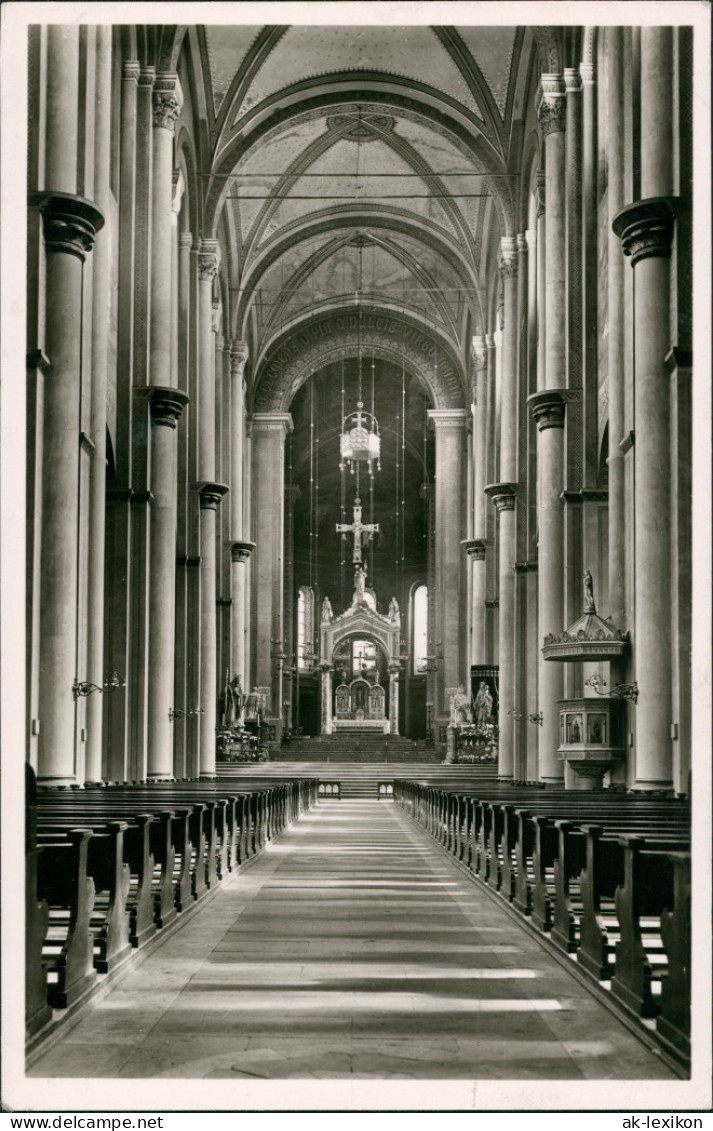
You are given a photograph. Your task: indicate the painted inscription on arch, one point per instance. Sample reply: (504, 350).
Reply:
(284, 369)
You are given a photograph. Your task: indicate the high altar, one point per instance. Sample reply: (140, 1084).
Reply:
(359, 704)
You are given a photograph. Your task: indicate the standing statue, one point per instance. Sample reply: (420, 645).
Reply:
(483, 705)
(234, 700)
(394, 614)
(359, 582)
(588, 593)
(327, 614)
(461, 713)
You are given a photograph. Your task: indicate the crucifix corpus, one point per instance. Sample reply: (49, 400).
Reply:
(358, 528)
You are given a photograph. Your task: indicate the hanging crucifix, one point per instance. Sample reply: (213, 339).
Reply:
(358, 528)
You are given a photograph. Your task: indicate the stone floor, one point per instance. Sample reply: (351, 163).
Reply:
(352, 948)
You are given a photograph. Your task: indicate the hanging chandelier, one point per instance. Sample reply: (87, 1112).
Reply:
(360, 442)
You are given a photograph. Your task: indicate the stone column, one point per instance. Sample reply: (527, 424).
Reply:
(240, 549)
(70, 224)
(548, 409)
(615, 342)
(450, 429)
(394, 669)
(268, 450)
(166, 405)
(646, 230)
(490, 517)
(97, 428)
(541, 281)
(326, 698)
(590, 244)
(503, 495)
(210, 496)
(476, 550)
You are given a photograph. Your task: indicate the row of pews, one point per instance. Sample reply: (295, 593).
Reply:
(107, 867)
(605, 877)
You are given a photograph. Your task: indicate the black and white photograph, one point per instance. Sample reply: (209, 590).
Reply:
(356, 536)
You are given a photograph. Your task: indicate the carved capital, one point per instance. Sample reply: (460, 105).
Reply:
(241, 551)
(551, 112)
(166, 405)
(238, 356)
(588, 71)
(448, 419)
(548, 408)
(475, 548)
(131, 70)
(508, 257)
(502, 495)
(69, 222)
(185, 241)
(165, 110)
(645, 228)
(167, 101)
(208, 260)
(479, 352)
(490, 341)
(572, 80)
(211, 495)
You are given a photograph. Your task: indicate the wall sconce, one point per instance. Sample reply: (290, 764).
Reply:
(110, 685)
(621, 691)
(174, 713)
(532, 718)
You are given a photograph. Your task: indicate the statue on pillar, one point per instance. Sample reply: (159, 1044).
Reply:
(588, 593)
(234, 700)
(394, 614)
(327, 613)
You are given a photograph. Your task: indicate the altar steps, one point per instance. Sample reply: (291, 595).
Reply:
(359, 779)
(357, 747)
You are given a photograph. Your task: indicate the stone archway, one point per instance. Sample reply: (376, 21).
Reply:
(313, 345)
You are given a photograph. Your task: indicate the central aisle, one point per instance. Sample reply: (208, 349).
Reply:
(352, 947)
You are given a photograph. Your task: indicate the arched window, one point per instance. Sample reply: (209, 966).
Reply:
(305, 627)
(420, 629)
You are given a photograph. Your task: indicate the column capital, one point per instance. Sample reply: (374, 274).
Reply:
(522, 245)
(588, 71)
(551, 112)
(272, 422)
(475, 548)
(131, 70)
(572, 80)
(502, 495)
(490, 341)
(239, 354)
(211, 494)
(241, 551)
(219, 342)
(185, 241)
(479, 351)
(167, 101)
(147, 76)
(645, 227)
(69, 222)
(508, 257)
(451, 419)
(208, 260)
(548, 408)
(166, 404)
